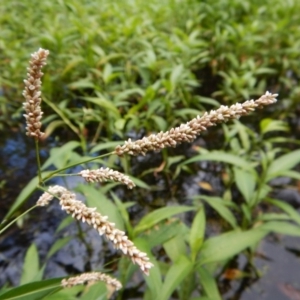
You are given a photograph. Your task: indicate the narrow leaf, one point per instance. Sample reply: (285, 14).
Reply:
(218, 204)
(209, 284)
(245, 182)
(23, 196)
(95, 198)
(60, 243)
(197, 232)
(33, 291)
(221, 157)
(227, 245)
(282, 227)
(176, 274)
(283, 163)
(30, 266)
(286, 208)
(160, 214)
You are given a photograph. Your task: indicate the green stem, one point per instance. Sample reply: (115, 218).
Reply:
(37, 152)
(76, 164)
(17, 218)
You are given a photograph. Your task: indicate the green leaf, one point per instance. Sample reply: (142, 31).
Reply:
(106, 104)
(162, 233)
(140, 183)
(176, 274)
(273, 217)
(245, 182)
(209, 284)
(52, 126)
(292, 174)
(123, 211)
(59, 156)
(66, 294)
(160, 122)
(227, 245)
(158, 215)
(282, 227)
(95, 198)
(154, 281)
(221, 157)
(294, 214)
(175, 247)
(105, 145)
(197, 232)
(33, 291)
(283, 164)
(23, 196)
(60, 243)
(176, 75)
(219, 205)
(30, 266)
(64, 223)
(97, 291)
(81, 84)
(268, 125)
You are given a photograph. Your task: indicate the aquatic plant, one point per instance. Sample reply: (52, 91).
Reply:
(77, 209)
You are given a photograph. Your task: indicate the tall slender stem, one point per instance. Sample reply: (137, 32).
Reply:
(17, 218)
(74, 165)
(37, 153)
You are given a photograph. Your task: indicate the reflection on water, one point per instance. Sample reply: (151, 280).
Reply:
(282, 269)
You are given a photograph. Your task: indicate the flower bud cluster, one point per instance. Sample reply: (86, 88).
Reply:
(90, 278)
(106, 174)
(81, 212)
(32, 93)
(189, 131)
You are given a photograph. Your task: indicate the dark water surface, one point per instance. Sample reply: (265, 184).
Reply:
(278, 260)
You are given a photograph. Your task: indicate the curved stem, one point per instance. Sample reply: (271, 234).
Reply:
(76, 164)
(17, 218)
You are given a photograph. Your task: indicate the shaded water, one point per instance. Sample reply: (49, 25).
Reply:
(278, 260)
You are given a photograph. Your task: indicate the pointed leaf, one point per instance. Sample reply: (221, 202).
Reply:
(219, 205)
(227, 245)
(30, 266)
(221, 157)
(197, 232)
(175, 247)
(33, 291)
(96, 291)
(245, 182)
(59, 156)
(60, 243)
(105, 104)
(160, 214)
(209, 284)
(282, 227)
(294, 214)
(23, 196)
(176, 274)
(163, 233)
(283, 164)
(95, 198)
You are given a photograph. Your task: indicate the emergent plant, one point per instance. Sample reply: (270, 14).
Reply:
(155, 142)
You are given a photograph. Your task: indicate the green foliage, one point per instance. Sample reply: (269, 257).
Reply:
(126, 65)
(134, 67)
(31, 266)
(35, 290)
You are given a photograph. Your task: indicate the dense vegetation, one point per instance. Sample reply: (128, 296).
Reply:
(120, 69)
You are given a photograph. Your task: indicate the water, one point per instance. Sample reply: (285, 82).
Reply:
(278, 258)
